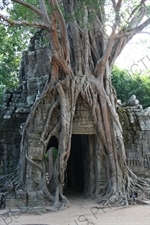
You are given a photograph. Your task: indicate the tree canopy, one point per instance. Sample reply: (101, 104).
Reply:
(127, 84)
(13, 42)
(118, 20)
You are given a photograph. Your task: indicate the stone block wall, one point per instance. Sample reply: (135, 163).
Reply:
(10, 124)
(136, 131)
(33, 74)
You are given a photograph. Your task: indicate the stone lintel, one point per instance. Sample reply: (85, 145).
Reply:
(83, 129)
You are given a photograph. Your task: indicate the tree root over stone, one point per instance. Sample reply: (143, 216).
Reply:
(61, 100)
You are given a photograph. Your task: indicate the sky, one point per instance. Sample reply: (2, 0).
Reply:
(136, 54)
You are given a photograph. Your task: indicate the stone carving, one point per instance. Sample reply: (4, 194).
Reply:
(34, 71)
(147, 111)
(133, 101)
(82, 122)
(119, 103)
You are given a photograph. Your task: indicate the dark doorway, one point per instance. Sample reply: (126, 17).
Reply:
(50, 158)
(75, 167)
(53, 142)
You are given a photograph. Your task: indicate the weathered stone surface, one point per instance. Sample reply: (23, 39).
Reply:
(35, 198)
(21, 194)
(34, 136)
(133, 101)
(34, 72)
(16, 203)
(83, 129)
(35, 153)
(33, 177)
(34, 142)
(136, 131)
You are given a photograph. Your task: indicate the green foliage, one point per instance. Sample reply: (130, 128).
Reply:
(19, 12)
(55, 154)
(13, 42)
(127, 85)
(46, 156)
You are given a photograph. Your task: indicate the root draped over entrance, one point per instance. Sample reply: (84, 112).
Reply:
(58, 105)
(81, 62)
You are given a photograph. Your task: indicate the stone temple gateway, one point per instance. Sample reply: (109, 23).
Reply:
(80, 171)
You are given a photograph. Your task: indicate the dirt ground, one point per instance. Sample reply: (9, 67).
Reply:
(82, 212)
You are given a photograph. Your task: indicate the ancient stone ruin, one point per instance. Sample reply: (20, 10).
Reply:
(33, 75)
(136, 130)
(34, 69)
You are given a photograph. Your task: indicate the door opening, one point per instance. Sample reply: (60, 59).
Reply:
(53, 142)
(50, 158)
(74, 177)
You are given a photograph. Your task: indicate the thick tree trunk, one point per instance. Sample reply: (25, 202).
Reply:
(81, 63)
(63, 95)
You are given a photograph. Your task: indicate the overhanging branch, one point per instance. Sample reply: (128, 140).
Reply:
(118, 5)
(23, 22)
(114, 4)
(137, 7)
(101, 62)
(42, 5)
(140, 27)
(137, 15)
(63, 30)
(42, 13)
(29, 6)
(133, 28)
